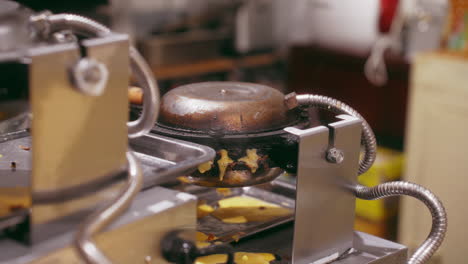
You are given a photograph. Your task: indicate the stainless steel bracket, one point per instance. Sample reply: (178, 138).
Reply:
(70, 148)
(324, 219)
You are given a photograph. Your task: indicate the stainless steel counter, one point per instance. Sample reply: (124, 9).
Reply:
(368, 249)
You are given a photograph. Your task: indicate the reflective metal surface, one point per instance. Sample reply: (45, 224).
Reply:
(367, 249)
(439, 216)
(324, 207)
(133, 238)
(243, 122)
(14, 116)
(224, 107)
(13, 26)
(274, 152)
(45, 23)
(73, 139)
(146, 79)
(163, 159)
(15, 194)
(103, 217)
(335, 106)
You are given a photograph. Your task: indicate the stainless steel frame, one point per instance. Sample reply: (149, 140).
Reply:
(71, 145)
(46, 23)
(324, 228)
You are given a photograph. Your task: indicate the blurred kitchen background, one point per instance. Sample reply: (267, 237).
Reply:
(321, 46)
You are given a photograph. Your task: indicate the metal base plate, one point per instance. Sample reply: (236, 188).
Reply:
(368, 249)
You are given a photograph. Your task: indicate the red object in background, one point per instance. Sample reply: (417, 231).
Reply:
(387, 12)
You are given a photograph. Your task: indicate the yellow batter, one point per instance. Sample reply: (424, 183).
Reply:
(239, 258)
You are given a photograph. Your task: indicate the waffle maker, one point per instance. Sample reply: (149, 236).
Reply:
(237, 118)
(74, 193)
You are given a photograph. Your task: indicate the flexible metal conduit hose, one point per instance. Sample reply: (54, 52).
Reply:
(49, 23)
(439, 216)
(97, 221)
(338, 107)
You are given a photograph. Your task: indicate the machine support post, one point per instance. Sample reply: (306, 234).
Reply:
(328, 163)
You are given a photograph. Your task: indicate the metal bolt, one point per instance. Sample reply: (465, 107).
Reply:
(65, 36)
(335, 155)
(90, 76)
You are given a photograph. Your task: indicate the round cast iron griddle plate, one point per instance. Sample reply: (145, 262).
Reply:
(226, 107)
(278, 148)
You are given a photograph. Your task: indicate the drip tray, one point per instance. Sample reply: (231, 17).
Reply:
(277, 193)
(163, 159)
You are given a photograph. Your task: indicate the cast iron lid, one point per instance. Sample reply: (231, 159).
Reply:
(230, 107)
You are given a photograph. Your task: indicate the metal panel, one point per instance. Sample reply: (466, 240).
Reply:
(346, 136)
(374, 250)
(131, 239)
(162, 160)
(324, 227)
(76, 138)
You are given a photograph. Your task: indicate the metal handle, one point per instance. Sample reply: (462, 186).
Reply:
(146, 80)
(100, 219)
(46, 23)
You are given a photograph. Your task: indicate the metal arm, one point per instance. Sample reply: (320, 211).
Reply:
(96, 222)
(46, 23)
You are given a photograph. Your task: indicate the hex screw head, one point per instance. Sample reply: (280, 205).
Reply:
(335, 155)
(90, 76)
(64, 36)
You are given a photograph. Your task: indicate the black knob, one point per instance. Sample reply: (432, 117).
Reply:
(178, 250)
